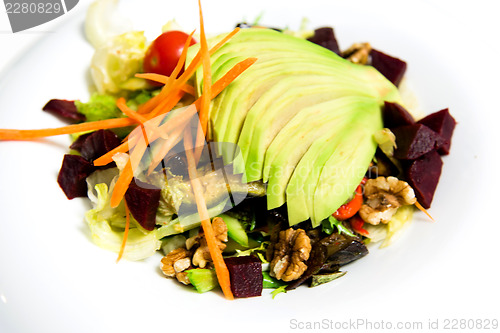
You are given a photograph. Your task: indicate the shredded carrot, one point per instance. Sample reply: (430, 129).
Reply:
(180, 119)
(122, 105)
(15, 134)
(229, 77)
(125, 233)
(182, 59)
(121, 185)
(151, 135)
(193, 66)
(419, 206)
(206, 97)
(167, 88)
(171, 141)
(215, 253)
(163, 79)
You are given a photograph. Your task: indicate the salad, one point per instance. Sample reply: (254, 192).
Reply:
(256, 158)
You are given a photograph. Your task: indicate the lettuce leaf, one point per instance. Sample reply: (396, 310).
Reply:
(391, 231)
(400, 221)
(117, 61)
(107, 227)
(103, 21)
(99, 107)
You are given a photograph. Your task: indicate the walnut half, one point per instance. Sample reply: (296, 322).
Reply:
(358, 53)
(202, 254)
(175, 263)
(383, 197)
(290, 253)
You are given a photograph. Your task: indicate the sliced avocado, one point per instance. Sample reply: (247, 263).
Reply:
(280, 104)
(346, 167)
(304, 180)
(292, 142)
(262, 102)
(247, 89)
(235, 230)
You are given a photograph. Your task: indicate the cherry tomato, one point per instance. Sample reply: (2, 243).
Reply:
(164, 53)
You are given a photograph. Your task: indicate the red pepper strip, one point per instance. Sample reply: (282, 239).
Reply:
(349, 209)
(357, 225)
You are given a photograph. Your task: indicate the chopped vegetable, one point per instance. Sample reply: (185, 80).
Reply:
(99, 107)
(246, 276)
(357, 225)
(319, 279)
(116, 61)
(220, 266)
(202, 279)
(164, 52)
(64, 109)
(352, 207)
(125, 233)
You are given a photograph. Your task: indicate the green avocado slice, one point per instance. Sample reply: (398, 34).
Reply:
(280, 104)
(301, 188)
(244, 92)
(264, 108)
(293, 141)
(345, 168)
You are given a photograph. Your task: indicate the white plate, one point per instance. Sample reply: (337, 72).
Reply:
(54, 279)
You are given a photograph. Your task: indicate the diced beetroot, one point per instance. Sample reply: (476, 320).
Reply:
(395, 115)
(443, 124)
(78, 143)
(143, 202)
(326, 37)
(98, 143)
(72, 176)
(392, 68)
(65, 110)
(246, 276)
(423, 176)
(413, 141)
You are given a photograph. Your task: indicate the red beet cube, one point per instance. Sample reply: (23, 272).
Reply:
(246, 276)
(395, 115)
(325, 37)
(73, 174)
(78, 143)
(392, 68)
(413, 141)
(442, 123)
(98, 144)
(423, 176)
(63, 109)
(143, 201)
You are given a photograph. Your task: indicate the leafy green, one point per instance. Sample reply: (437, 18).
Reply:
(103, 21)
(258, 251)
(104, 220)
(117, 61)
(202, 279)
(99, 107)
(391, 231)
(386, 141)
(173, 242)
(268, 282)
(318, 279)
(179, 225)
(331, 224)
(279, 290)
(139, 97)
(398, 223)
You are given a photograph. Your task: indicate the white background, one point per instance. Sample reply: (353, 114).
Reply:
(465, 284)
